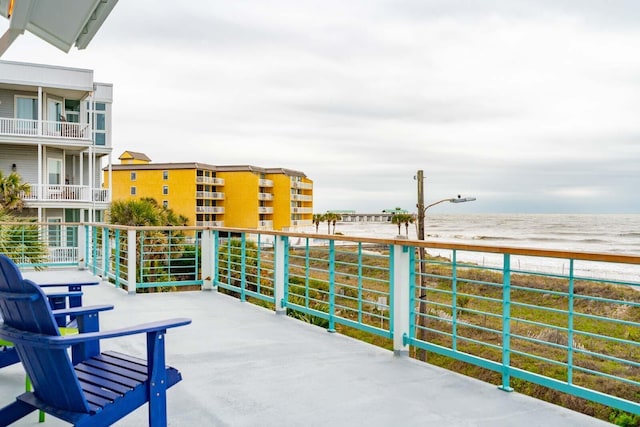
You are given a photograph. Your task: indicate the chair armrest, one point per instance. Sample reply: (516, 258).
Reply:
(63, 294)
(40, 340)
(79, 311)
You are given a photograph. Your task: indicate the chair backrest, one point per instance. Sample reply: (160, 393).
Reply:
(24, 307)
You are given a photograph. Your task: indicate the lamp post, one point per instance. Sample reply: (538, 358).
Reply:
(422, 209)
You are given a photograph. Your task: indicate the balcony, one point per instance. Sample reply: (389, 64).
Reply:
(353, 380)
(301, 198)
(302, 210)
(265, 210)
(302, 185)
(65, 193)
(265, 224)
(209, 180)
(70, 132)
(210, 209)
(302, 223)
(287, 368)
(265, 196)
(265, 183)
(210, 223)
(212, 195)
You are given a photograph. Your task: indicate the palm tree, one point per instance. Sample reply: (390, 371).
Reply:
(21, 242)
(317, 219)
(332, 218)
(11, 190)
(402, 218)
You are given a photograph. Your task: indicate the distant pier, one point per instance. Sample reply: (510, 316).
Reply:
(366, 217)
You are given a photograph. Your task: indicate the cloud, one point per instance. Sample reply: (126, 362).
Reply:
(527, 105)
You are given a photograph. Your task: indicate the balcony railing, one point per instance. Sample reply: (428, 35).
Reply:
(265, 183)
(209, 223)
(302, 185)
(265, 196)
(209, 180)
(302, 210)
(302, 198)
(210, 209)
(567, 321)
(44, 128)
(265, 210)
(209, 195)
(65, 193)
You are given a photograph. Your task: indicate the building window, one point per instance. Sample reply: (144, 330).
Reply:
(54, 232)
(133, 191)
(133, 176)
(165, 204)
(99, 123)
(165, 189)
(165, 175)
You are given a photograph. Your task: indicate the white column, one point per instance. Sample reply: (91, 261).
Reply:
(401, 298)
(207, 252)
(280, 270)
(82, 246)
(131, 261)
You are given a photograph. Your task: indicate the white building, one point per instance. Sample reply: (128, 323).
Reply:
(55, 132)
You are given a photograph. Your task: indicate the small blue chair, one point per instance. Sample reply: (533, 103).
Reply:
(89, 388)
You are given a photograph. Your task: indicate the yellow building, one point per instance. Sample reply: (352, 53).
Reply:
(224, 196)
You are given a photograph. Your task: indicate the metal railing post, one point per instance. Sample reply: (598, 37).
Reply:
(400, 297)
(506, 324)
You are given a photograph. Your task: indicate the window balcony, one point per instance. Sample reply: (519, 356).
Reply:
(265, 183)
(265, 210)
(265, 196)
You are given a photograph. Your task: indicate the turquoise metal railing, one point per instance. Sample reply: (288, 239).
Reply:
(563, 320)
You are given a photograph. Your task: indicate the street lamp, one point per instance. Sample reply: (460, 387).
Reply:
(422, 306)
(422, 208)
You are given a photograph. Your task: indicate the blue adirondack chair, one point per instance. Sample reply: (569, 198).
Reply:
(90, 388)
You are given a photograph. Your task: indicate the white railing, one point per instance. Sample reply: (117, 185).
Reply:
(210, 223)
(265, 224)
(46, 129)
(302, 210)
(265, 196)
(210, 209)
(209, 180)
(209, 195)
(101, 195)
(302, 222)
(302, 197)
(63, 254)
(265, 183)
(79, 193)
(302, 185)
(265, 210)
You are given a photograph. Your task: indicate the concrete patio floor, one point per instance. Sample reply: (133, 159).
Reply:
(243, 365)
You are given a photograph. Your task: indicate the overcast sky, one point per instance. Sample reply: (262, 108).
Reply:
(530, 106)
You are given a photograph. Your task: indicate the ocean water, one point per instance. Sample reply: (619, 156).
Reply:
(611, 234)
(618, 234)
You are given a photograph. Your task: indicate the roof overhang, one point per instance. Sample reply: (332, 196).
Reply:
(62, 23)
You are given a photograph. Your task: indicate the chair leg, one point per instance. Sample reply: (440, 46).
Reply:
(27, 387)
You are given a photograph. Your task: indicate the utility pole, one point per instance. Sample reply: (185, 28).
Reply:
(420, 205)
(422, 304)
